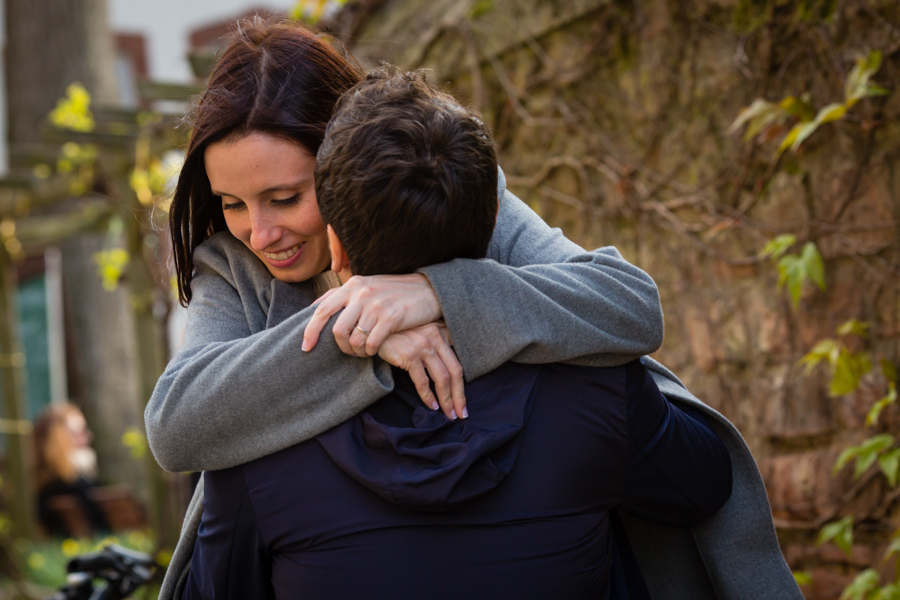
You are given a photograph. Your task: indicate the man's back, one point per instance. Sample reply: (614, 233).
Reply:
(532, 476)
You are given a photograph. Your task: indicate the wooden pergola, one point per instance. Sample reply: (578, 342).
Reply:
(37, 212)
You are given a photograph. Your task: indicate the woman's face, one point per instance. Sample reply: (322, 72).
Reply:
(269, 200)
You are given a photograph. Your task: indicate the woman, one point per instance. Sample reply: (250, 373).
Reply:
(249, 256)
(66, 466)
(247, 233)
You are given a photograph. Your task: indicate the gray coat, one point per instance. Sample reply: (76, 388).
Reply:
(240, 388)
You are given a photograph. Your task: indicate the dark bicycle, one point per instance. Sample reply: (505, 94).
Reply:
(122, 570)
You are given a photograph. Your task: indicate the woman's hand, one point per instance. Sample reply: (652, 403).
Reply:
(374, 308)
(425, 352)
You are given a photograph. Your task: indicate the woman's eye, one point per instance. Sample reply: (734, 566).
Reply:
(232, 205)
(286, 201)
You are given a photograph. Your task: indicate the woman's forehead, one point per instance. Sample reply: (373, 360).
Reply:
(257, 162)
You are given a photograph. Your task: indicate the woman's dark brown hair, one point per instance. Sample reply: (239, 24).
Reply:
(274, 77)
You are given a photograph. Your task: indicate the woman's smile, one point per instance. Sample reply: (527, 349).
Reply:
(269, 202)
(284, 259)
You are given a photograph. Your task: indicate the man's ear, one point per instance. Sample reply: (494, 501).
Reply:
(339, 260)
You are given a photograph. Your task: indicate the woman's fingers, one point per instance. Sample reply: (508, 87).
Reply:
(325, 296)
(425, 354)
(437, 371)
(423, 384)
(457, 384)
(345, 328)
(328, 304)
(380, 306)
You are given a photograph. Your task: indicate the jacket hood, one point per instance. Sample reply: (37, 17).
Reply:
(419, 459)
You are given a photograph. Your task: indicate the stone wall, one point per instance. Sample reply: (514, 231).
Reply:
(611, 118)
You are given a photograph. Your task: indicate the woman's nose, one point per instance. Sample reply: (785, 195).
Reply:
(264, 231)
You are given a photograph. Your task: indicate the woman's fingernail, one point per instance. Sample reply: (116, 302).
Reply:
(465, 412)
(435, 405)
(304, 346)
(453, 414)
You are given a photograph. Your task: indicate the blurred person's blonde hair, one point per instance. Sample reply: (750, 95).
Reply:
(57, 452)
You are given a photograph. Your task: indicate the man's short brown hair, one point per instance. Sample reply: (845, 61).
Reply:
(406, 177)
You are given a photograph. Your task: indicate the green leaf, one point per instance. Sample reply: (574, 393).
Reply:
(858, 85)
(888, 463)
(875, 411)
(889, 370)
(853, 326)
(802, 577)
(894, 546)
(841, 532)
(869, 451)
(847, 454)
(792, 272)
(778, 245)
(481, 8)
(864, 583)
(889, 592)
(876, 90)
(848, 370)
(794, 269)
(826, 349)
(815, 268)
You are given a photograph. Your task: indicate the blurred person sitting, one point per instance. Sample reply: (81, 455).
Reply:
(66, 465)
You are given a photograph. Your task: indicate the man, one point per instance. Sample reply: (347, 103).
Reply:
(399, 502)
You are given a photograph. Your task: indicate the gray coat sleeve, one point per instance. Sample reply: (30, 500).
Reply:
(237, 391)
(541, 298)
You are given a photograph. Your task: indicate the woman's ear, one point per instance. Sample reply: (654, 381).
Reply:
(339, 260)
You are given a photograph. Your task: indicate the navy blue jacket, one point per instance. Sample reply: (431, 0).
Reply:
(518, 501)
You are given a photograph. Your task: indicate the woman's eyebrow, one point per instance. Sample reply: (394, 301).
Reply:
(275, 188)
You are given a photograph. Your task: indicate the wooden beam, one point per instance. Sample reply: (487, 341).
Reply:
(157, 90)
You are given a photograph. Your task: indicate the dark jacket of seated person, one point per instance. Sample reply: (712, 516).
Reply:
(517, 501)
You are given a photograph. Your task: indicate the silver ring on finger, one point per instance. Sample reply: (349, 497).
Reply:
(362, 330)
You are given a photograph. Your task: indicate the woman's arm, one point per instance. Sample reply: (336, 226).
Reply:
(541, 298)
(241, 387)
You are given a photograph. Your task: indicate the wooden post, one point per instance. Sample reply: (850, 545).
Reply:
(12, 365)
(165, 513)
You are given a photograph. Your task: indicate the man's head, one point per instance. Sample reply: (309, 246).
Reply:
(405, 177)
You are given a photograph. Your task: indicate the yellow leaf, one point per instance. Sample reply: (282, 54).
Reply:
(830, 113)
(789, 139)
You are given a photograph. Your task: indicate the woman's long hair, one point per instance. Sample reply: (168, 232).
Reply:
(55, 446)
(278, 78)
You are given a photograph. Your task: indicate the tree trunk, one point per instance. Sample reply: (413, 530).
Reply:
(50, 44)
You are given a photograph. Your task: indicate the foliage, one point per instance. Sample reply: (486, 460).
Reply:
(110, 266)
(859, 588)
(76, 161)
(802, 577)
(795, 269)
(767, 120)
(794, 120)
(481, 8)
(840, 532)
(311, 11)
(134, 439)
(847, 367)
(74, 111)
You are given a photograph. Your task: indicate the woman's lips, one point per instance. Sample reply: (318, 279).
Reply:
(284, 259)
